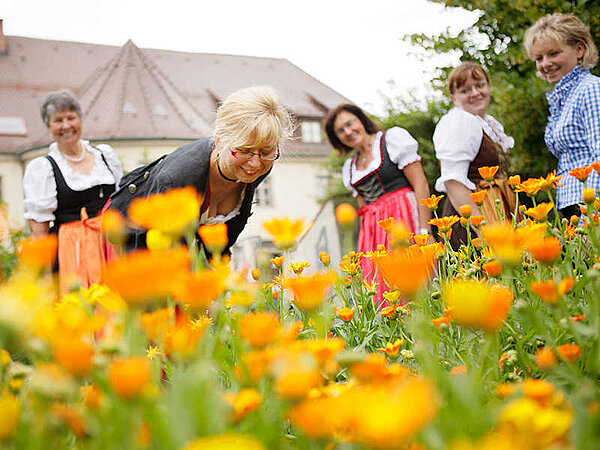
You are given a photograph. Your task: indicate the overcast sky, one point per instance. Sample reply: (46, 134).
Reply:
(354, 46)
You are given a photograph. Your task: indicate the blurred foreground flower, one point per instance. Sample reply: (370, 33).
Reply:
(198, 290)
(260, 328)
(173, 212)
(10, 414)
(228, 441)
(477, 304)
(129, 377)
(509, 243)
(244, 402)
(345, 214)
(38, 252)
(310, 292)
(214, 236)
(284, 231)
(407, 270)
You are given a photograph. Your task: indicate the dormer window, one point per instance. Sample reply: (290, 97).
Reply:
(311, 131)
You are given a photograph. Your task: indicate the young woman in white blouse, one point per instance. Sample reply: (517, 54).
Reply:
(467, 138)
(74, 175)
(384, 173)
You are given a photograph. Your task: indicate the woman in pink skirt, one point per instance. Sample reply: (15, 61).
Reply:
(384, 173)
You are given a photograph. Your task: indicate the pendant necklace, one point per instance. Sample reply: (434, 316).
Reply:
(77, 158)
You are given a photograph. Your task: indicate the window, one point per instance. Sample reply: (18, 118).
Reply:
(263, 195)
(311, 132)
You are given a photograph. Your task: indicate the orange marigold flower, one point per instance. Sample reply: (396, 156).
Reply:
(530, 186)
(310, 292)
(421, 239)
(214, 236)
(200, 289)
(387, 224)
(546, 251)
(407, 270)
(391, 296)
(514, 180)
(502, 360)
(488, 173)
(400, 235)
(255, 274)
(545, 290)
(244, 402)
(38, 251)
(325, 258)
(345, 214)
(129, 377)
(458, 370)
(475, 303)
(295, 376)
(346, 314)
(228, 440)
(478, 197)
(508, 243)
(565, 285)
(438, 322)
(260, 328)
(504, 390)
(145, 275)
(172, 212)
(477, 242)
(182, 341)
(277, 261)
(392, 349)
(540, 212)
(569, 352)
(465, 211)
(70, 417)
(73, 355)
(578, 317)
(492, 268)
(444, 223)
(550, 182)
(113, 226)
(431, 202)
(539, 390)
(284, 231)
(581, 173)
(545, 358)
(91, 396)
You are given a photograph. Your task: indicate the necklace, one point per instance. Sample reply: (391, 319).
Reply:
(77, 158)
(222, 174)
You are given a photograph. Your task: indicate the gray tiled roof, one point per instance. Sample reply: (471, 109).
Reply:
(132, 93)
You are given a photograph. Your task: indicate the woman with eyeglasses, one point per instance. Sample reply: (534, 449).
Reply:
(383, 172)
(225, 168)
(465, 139)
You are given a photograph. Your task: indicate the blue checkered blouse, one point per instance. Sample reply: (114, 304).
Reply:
(573, 131)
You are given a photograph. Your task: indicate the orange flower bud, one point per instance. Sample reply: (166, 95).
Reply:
(346, 314)
(478, 197)
(514, 180)
(569, 352)
(465, 211)
(588, 195)
(255, 274)
(488, 173)
(345, 214)
(325, 258)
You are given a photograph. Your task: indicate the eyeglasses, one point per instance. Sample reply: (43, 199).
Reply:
(348, 124)
(247, 155)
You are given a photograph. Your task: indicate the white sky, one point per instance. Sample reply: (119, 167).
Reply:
(354, 46)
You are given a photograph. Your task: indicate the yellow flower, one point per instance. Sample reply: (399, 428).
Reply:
(400, 235)
(152, 352)
(530, 187)
(310, 292)
(277, 261)
(100, 294)
(214, 237)
(4, 358)
(298, 267)
(325, 258)
(407, 270)
(10, 414)
(475, 303)
(260, 328)
(488, 173)
(387, 224)
(242, 298)
(228, 441)
(465, 211)
(113, 226)
(345, 214)
(431, 202)
(392, 349)
(540, 212)
(421, 239)
(550, 182)
(391, 296)
(445, 223)
(346, 314)
(244, 402)
(478, 197)
(514, 180)
(295, 375)
(284, 231)
(157, 240)
(508, 243)
(173, 212)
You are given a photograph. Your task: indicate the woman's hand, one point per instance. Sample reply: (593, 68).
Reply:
(416, 177)
(38, 229)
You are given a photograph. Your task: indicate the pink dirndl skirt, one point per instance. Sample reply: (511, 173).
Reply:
(402, 206)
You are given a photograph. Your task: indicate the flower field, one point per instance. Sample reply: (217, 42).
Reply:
(494, 346)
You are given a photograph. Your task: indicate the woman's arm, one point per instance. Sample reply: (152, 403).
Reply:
(38, 229)
(416, 177)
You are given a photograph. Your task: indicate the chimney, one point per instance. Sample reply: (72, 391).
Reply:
(3, 43)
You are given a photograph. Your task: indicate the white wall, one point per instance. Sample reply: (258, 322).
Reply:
(11, 174)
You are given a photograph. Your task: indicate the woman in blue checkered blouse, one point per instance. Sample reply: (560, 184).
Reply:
(564, 53)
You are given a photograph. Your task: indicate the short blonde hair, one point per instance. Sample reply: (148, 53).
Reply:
(566, 29)
(253, 117)
(459, 75)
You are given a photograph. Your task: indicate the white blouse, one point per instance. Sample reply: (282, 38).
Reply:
(39, 184)
(457, 139)
(402, 150)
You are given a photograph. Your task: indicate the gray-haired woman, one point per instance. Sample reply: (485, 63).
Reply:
(73, 176)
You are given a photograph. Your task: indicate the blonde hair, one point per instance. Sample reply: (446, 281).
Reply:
(461, 74)
(253, 117)
(566, 29)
